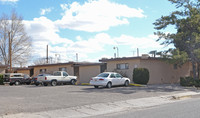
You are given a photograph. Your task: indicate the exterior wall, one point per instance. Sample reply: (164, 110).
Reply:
(50, 69)
(160, 72)
(25, 71)
(112, 66)
(164, 73)
(87, 72)
(2, 70)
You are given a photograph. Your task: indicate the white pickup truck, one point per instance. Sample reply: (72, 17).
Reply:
(57, 77)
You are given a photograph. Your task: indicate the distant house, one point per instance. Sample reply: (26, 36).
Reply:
(160, 71)
(3, 69)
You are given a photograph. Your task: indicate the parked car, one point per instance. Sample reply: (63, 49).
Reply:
(16, 78)
(109, 79)
(34, 79)
(57, 77)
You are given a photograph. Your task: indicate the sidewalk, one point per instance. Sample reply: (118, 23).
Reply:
(105, 108)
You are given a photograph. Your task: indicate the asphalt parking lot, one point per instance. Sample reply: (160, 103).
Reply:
(31, 98)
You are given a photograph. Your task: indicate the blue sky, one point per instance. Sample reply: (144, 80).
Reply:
(90, 28)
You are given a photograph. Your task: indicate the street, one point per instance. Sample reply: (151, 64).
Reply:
(183, 109)
(32, 99)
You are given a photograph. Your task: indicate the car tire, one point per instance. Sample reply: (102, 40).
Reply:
(109, 85)
(45, 84)
(53, 83)
(126, 83)
(11, 84)
(36, 84)
(73, 82)
(17, 83)
(28, 83)
(96, 86)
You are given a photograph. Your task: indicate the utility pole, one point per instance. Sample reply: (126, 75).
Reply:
(47, 55)
(10, 51)
(138, 52)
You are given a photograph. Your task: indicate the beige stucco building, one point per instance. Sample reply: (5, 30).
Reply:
(23, 70)
(160, 71)
(83, 70)
(50, 68)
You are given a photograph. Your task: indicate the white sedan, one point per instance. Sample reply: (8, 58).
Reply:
(109, 79)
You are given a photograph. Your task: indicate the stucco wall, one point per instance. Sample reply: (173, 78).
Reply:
(25, 71)
(160, 72)
(87, 72)
(2, 70)
(112, 66)
(52, 68)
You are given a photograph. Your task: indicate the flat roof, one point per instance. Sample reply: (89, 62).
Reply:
(54, 64)
(70, 63)
(129, 58)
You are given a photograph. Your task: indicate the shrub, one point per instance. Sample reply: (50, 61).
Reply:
(186, 81)
(197, 83)
(1, 79)
(140, 75)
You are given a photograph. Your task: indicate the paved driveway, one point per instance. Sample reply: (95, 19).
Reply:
(30, 98)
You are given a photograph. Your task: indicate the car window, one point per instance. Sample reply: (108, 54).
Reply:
(112, 76)
(57, 73)
(118, 75)
(26, 76)
(103, 75)
(65, 74)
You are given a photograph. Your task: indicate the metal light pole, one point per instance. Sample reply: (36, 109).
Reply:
(117, 51)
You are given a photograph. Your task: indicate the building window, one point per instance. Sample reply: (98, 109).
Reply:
(122, 66)
(43, 70)
(63, 69)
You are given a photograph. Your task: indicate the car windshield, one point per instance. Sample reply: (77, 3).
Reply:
(103, 75)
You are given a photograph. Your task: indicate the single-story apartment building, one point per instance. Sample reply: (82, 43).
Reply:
(160, 71)
(83, 70)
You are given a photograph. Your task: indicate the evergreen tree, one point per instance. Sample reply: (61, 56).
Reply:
(187, 37)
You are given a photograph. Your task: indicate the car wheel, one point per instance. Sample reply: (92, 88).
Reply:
(109, 85)
(17, 83)
(53, 83)
(36, 84)
(73, 82)
(45, 84)
(28, 83)
(11, 84)
(96, 86)
(126, 83)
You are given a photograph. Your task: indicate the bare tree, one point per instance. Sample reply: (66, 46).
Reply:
(12, 32)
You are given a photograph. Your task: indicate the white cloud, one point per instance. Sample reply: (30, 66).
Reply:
(64, 6)
(9, 0)
(92, 16)
(45, 11)
(97, 15)
(44, 32)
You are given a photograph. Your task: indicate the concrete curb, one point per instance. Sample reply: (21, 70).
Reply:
(105, 108)
(139, 85)
(131, 84)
